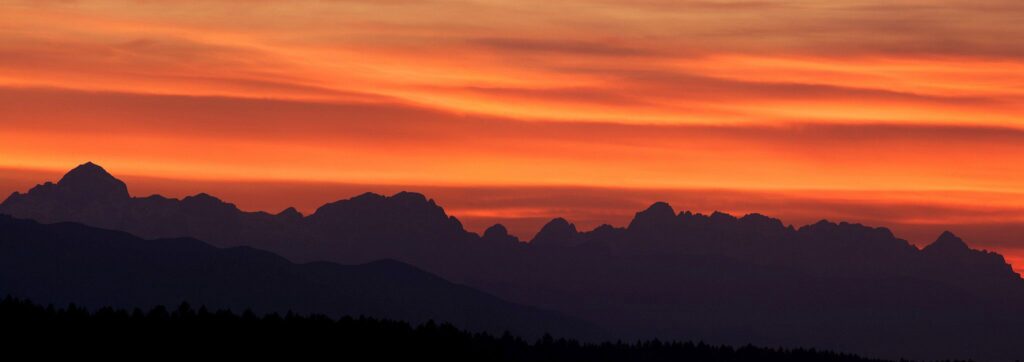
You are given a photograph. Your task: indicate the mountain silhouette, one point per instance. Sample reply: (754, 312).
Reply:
(668, 274)
(497, 233)
(658, 216)
(92, 181)
(948, 244)
(71, 263)
(556, 233)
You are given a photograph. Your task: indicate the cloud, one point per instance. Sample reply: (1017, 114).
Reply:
(343, 141)
(653, 62)
(586, 48)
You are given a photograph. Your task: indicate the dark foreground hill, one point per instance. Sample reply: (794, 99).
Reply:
(187, 332)
(71, 263)
(668, 274)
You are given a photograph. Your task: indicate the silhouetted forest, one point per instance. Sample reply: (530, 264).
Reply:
(186, 331)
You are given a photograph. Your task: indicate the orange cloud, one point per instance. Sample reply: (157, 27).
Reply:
(757, 62)
(215, 137)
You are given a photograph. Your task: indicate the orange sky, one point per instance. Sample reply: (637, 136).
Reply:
(900, 112)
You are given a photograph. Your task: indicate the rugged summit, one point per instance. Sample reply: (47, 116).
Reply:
(93, 182)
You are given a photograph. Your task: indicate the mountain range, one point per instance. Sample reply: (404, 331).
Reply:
(717, 278)
(70, 263)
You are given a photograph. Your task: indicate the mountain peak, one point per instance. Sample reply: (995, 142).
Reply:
(948, 242)
(558, 231)
(498, 233)
(202, 197)
(290, 213)
(83, 171)
(91, 179)
(659, 215)
(408, 217)
(660, 208)
(410, 197)
(496, 230)
(202, 203)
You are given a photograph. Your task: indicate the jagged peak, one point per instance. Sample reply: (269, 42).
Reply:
(859, 229)
(948, 242)
(658, 214)
(202, 197)
(290, 212)
(498, 233)
(559, 222)
(413, 197)
(555, 232)
(409, 210)
(820, 225)
(762, 220)
(722, 216)
(756, 216)
(204, 200)
(604, 228)
(403, 197)
(371, 199)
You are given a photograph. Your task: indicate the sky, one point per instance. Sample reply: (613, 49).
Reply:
(898, 113)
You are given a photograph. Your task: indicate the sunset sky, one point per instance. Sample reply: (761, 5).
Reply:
(902, 113)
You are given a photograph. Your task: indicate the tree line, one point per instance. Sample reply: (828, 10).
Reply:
(197, 333)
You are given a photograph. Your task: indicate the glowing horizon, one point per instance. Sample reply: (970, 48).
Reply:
(917, 216)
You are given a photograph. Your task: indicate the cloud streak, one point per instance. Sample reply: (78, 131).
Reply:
(410, 143)
(705, 62)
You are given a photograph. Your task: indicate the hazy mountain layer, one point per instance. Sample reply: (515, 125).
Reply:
(71, 263)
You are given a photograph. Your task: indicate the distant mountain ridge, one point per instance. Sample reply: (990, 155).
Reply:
(717, 277)
(71, 263)
(369, 227)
